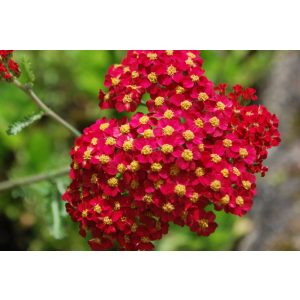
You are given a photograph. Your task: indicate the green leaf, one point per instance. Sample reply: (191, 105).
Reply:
(18, 126)
(27, 70)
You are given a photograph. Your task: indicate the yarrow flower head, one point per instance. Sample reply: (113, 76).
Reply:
(196, 150)
(8, 67)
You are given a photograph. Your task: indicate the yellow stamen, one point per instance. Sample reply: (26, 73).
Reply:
(144, 120)
(220, 105)
(246, 184)
(202, 96)
(203, 223)
(168, 207)
(215, 158)
(171, 70)
(152, 56)
(85, 213)
(103, 126)
(215, 185)
(167, 148)
(148, 133)
(121, 168)
(199, 123)
(97, 209)
(148, 198)
(180, 190)
(156, 167)
(188, 135)
(134, 166)
(199, 172)
(128, 145)
(104, 159)
(225, 199)
(110, 141)
(94, 179)
(168, 130)
(239, 201)
(186, 104)
(159, 101)
(168, 114)
(225, 172)
(152, 77)
(194, 78)
(115, 81)
(125, 128)
(112, 182)
(187, 155)
(243, 152)
(94, 141)
(194, 198)
(227, 143)
(146, 150)
(107, 220)
(214, 121)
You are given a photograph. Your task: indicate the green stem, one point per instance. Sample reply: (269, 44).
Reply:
(9, 184)
(49, 112)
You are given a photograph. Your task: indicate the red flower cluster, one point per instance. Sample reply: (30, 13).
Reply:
(8, 67)
(197, 149)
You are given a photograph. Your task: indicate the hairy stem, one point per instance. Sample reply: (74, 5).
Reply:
(49, 112)
(9, 184)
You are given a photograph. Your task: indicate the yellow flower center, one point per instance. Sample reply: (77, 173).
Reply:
(147, 198)
(239, 201)
(194, 78)
(115, 81)
(107, 220)
(180, 190)
(152, 77)
(148, 133)
(134, 74)
(186, 104)
(227, 143)
(127, 99)
(125, 128)
(220, 105)
(179, 89)
(167, 148)
(110, 141)
(134, 166)
(236, 171)
(134, 184)
(158, 183)
(246, 184)
(190, 62)
(199, 172)
(128, 145)
(171, 70)
(215, 185)
(134, 227)
(152, 56)
(145, 239)
(87, 154)
(104, 159)
(168, 207)
(225, 199)
(144, 120)
(156, 167)
(214, 121)
(159, 101)
(146, 150)
(112, 182)
(199, 123)
(85, 213)
(94, 179)
(215, 158)
(174, 170)
(194, 198)
(94, 141)
(121, 168)
(187, 155)
(168, 114)
(225, 172)
(191, 55)
(188, 135)
(117, 205)
(243, 152)
(97, 209)
(202, 96)
(203, 223)
(168, 130)
(103, 126)
(169, 52)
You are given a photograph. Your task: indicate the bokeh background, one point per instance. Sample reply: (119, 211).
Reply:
(33, 217)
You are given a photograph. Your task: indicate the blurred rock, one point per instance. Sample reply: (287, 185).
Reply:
(276, 210)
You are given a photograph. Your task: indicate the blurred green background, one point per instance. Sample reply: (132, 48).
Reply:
(33, 217)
